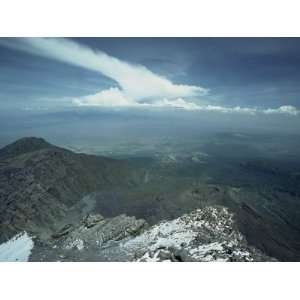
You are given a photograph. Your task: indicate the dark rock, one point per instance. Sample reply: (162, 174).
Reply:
(92, 220)
(63, 231)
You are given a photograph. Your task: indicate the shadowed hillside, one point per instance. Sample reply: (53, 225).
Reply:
(39, 183)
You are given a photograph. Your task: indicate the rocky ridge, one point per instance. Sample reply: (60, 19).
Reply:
(39, 186)
(207, 234)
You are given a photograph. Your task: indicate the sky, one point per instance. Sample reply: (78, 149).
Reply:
(111, 90)
(220, 75)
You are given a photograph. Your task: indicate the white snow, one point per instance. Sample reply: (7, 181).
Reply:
(77, 243)
(17, 248)
(166, 234)
(202, 252)
(182, 233)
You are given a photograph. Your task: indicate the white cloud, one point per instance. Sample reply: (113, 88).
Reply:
(139, 87)
(177, 103)
(288, 110)
(114, 97)
(235, 109)
(136, 81)
(285, 109)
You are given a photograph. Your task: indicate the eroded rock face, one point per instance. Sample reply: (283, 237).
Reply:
(63, 231)
(92, 220)
(97, 231)
(207, 234)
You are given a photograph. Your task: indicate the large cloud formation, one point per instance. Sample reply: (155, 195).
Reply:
(136, 81)
(138, 86)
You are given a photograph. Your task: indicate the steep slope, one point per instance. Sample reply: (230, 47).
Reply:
(41, 184)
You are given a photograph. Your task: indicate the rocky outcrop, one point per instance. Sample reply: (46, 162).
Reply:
(207, 234)
(98, 231)
(63, 231)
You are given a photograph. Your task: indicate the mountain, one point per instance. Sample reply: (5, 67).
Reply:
(41, 184)
(208, 234)
(51, 193)
(22, 146)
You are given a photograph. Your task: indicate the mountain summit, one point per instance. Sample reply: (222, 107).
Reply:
(22, 146)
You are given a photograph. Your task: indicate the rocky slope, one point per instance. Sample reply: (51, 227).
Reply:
(207, 234)
(40, 183)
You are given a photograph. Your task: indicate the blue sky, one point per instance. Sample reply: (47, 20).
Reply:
(231, 75)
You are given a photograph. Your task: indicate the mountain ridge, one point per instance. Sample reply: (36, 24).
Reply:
(39, 185)
(24, 145)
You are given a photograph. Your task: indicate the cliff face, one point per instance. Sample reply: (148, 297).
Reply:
(41, 183)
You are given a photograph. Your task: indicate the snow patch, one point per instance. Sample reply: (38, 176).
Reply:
(17, 248)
